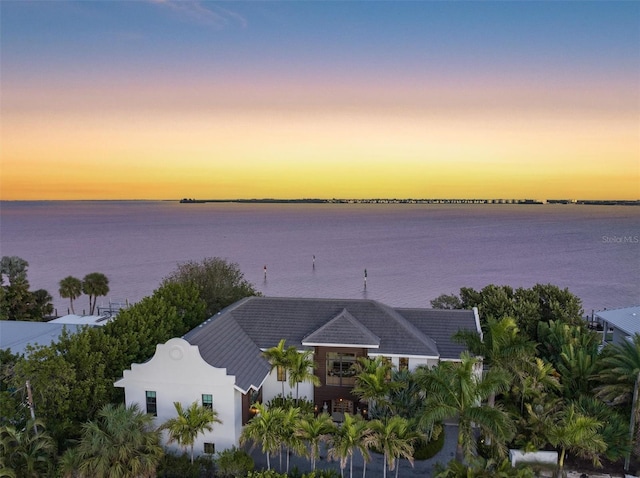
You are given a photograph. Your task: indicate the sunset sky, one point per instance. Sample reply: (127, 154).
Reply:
(220, 100)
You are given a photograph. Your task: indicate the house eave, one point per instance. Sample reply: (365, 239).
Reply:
(336, 345)
(428, 357)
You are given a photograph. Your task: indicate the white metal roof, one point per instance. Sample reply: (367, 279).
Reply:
(81, 319)
(626, 319)
(17, 334)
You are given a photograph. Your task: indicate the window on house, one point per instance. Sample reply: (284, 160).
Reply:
(389, 363)
(341, 369)
(282, 374)
(209, 448)
(152, 404)
(207, 401)
(403, 363)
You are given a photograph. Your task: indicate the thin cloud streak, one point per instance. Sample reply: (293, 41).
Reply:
(212, 15)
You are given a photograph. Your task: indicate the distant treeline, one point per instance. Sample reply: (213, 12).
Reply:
(613, 202)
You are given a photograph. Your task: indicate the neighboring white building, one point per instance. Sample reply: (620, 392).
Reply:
(17, 335)
(74, 319)
(624, 323)
(220, 362)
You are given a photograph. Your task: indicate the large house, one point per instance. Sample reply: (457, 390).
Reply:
(220, 363)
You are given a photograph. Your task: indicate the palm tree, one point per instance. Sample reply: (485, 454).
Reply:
(394, 438)
(619, 370)
(555, 336)
(615, 429)
(280, 358)
(26, 452)
(502, 346)
(457, 389)
(289, 438)
(577, 433)
(95, 284)
(70, 288)
(576, 368)
(373, 383)
(619, 367)
(353, 434)
(301, 367)
(121, 442)
(265, 428)
(541, 378)
(315, 430)
(185, 428)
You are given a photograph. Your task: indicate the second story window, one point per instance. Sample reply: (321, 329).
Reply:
(341, 369)
(403, 363)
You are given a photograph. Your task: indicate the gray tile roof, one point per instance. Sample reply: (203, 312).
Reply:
(626, 319)
(441, 325)
(343, 330)
(223, 344)
(235, 337)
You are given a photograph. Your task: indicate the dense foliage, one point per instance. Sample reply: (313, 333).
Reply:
(72, 379)
(545, 383)
(17, 302)
(219, 283)
(555, 364)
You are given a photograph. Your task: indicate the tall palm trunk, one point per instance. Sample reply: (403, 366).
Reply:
(288, 454)
(491, 402)
(459, 448)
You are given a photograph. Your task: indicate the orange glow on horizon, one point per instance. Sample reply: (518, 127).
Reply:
(294, 155)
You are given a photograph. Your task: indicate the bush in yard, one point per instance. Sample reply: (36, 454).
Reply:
(233, 463)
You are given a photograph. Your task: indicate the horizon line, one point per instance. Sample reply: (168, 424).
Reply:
(329, 200)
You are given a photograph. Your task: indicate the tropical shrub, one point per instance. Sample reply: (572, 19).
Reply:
(266, 474)
(425, 450)
(233, 462)
(174, 466)
(481, 468)
(306, 407)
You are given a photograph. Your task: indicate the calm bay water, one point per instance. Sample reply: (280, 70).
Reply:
(412, 253)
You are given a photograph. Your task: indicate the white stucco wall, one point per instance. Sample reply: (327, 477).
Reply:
(272, 387)
(177, 373)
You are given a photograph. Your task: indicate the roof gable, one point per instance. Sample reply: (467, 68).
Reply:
(344, 330)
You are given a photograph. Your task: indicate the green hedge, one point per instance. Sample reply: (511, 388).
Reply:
(424, 450)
